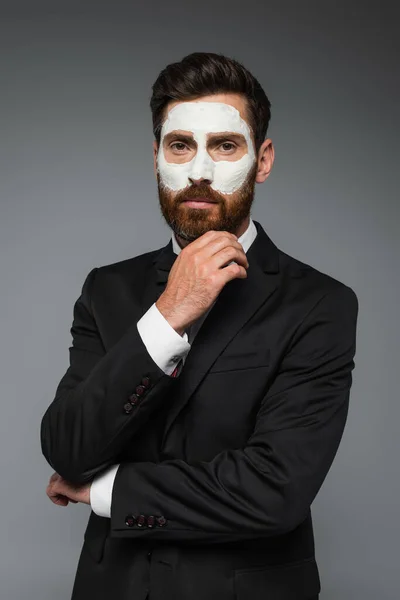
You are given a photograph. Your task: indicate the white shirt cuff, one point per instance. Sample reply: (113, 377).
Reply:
(101, 491)
(165, 346)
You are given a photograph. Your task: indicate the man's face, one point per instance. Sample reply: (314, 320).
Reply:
(206, 153)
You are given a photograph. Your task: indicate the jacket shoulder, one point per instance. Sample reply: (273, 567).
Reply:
(135, 263)
(316, 282)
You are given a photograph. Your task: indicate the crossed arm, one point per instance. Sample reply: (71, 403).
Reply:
(265, 488)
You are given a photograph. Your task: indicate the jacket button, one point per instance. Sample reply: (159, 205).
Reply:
(141, 521)
(150, 521)
(146, 382)
(128, 407)
(161, 521)
(140, 390)
(134, 399)
(130, 520)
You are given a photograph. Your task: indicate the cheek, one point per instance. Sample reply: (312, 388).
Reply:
(173, 176)
(174, 179)
(230, 176)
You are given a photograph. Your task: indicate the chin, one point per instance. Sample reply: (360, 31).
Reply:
(191, 235)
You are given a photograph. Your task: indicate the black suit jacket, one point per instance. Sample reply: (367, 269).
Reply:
(220, 465)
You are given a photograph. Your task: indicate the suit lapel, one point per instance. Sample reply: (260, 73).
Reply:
(235, 305)
(157, 276)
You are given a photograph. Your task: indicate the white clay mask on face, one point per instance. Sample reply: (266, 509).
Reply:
(201, 118)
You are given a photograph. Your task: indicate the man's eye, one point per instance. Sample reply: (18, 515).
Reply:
(228, 144)
(178, 144)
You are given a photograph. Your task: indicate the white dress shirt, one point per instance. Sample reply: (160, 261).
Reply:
(166, 347)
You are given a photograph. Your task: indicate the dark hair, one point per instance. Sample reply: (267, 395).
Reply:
(206, 73)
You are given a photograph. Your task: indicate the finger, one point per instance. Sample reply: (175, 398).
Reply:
(60, 500)
(232, 271)
(56, 490)
(52, 491)
(207, 238)
(228, 254)
(225, 245)
(54, 477)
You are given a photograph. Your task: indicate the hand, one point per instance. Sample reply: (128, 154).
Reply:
(197, 277)
(62, 492)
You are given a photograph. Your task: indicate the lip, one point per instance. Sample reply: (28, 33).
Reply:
(199, 202)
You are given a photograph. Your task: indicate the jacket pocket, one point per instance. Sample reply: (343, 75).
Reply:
(292, 581)
(232, 361)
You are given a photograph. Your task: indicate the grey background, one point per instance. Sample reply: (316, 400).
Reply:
(77, 190)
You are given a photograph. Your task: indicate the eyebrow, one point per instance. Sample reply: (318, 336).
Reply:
(215, 137)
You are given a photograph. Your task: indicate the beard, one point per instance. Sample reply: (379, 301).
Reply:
(225, 215)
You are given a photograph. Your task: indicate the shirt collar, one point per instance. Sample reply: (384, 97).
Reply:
(246, 239)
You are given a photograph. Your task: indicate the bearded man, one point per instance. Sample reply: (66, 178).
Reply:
(209, 380)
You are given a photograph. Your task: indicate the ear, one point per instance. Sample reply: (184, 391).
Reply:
(155, 151)
(266, 156)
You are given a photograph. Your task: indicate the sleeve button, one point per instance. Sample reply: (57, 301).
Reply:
(141, 520)
(161, 521)
(134, 399)
(150, 521)
(130, 520)
(146, 382)
(140, 390)
(128, 407)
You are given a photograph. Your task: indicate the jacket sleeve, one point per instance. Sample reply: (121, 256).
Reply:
(103, 399)
(165, 346)
(265, 488)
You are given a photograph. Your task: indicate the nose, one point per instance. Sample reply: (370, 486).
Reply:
(199, 180)
(202, 167)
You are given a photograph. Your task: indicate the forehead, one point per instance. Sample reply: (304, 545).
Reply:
(204, 116)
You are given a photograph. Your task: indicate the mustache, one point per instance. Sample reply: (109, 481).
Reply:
(195, 192)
